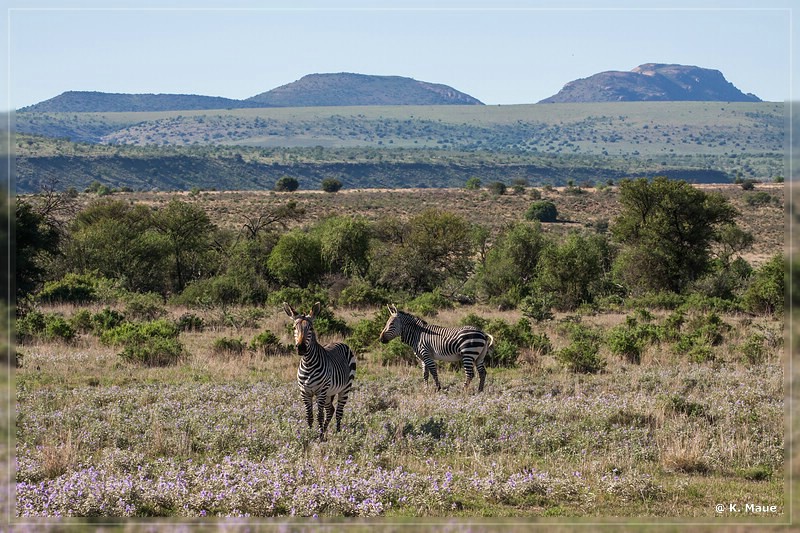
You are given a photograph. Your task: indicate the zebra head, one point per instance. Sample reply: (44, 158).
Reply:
(304, 335)
(393, 326)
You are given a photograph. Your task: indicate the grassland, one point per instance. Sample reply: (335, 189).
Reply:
(403, 146)
(223, 434)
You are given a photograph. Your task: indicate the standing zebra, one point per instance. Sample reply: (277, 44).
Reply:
(468, 344)
(324, 372)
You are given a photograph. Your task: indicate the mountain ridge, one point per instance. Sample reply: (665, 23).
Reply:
(652, 82)
(312, 90)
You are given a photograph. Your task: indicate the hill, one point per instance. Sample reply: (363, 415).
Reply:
(652, 82)
(93, 101)
(341, 89)
(347, 89)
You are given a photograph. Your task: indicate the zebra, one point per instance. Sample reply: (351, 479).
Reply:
(325, 371)
(468, 344)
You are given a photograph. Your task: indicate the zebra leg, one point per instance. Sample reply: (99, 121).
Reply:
(307, 401)
(482, 374)
(341, 401)
(321, 399)
(431, 367)
(469, 369)
(328, 413)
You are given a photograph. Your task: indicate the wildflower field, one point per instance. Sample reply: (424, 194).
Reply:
(223, 433)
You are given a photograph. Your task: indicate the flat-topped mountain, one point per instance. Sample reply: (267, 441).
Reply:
(347, 89)
(343, 89)
(652, 82)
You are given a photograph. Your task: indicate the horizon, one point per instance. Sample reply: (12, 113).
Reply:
(499, 55)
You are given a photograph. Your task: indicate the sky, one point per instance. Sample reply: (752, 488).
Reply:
(499, 52)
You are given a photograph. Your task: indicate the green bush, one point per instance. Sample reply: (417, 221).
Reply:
(143, 306)
(753, 350)
(72, 288)
(543, 211)
(474, 320)
(58, 328)
(767, 291)
(267, 343)
(106, 319)
(365, 333)
(429, 304)
(135, 332)
(227, 345)
(629, 340)
(362, 294)
(503, 354)
(154, 352)
(81, 321)
(331, 185)
(302, 299)
(286, 184)
(396, 352)
(538, 307)
(581, 356)
(190, 322)
(35, 324)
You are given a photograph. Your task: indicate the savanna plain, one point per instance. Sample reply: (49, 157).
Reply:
(668, 434)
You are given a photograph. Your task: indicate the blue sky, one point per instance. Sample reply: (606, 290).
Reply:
(499, 52)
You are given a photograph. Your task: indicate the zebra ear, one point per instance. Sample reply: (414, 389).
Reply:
(392, 309)
(288, 310)
(315, 310)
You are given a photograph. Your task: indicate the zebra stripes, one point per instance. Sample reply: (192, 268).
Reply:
(325, 371)
(430, 343)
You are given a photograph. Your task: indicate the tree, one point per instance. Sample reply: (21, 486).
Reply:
(543, 211)
(666, 229)
(497, 188)
(188, 231)
(345, 244)
(296, 259)
(510, 264)
(421, 254)
(473, 184)
(572, 271)
(35, 240)
(331, 185)
(119, 241)
(286, 184)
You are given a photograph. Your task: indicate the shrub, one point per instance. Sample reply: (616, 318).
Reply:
(72, 288)
(753, 350)
(81, 321)
(29, 326)
(364, 335)
(267, 343)
(497, 188)
(154, 351)
(474, 320)
(538, 307)
(143, 306)
(502, 354)
(190, 322)
(227, 345)
(57, 328)
(362, 294)
(758, 199)
(543, 211)
(302, 299)
(767, 291)
(106, 319)
(132, 333)
(286, 184)
(473, 184)
(629, 340)
(331, 185)
(396, 352)
(429, 304)
(582, 357)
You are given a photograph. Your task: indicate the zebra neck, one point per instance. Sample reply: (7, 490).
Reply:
(314, 352)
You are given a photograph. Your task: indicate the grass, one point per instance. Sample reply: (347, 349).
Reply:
(226, 434)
